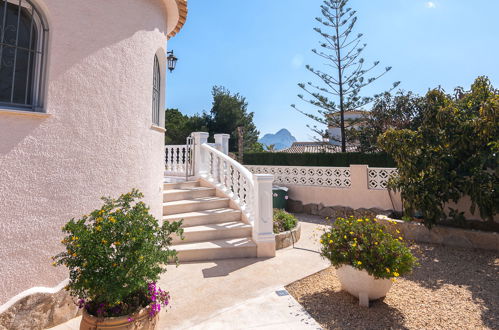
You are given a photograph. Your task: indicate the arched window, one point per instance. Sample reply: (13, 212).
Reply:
(156, 93)
(23, 37)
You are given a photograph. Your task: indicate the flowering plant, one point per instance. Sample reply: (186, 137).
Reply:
(283, 221)
(115, 255)
(365, 244)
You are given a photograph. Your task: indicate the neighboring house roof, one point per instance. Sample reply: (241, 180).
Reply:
(314, 147)
(182, 13)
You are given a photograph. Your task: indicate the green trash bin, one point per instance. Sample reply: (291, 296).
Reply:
(279, 197)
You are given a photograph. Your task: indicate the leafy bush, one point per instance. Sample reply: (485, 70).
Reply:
(365, 244)
(344, 159)
(283, 221)
(115, 255)
(453, 153)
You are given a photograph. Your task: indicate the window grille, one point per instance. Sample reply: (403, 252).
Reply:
(23, 38)
(156, 93)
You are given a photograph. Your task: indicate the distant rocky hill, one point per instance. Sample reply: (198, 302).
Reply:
(281, 140)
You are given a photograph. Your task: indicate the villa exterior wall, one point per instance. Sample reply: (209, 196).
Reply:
(95, 138)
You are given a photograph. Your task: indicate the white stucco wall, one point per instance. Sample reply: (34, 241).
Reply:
(95, 140)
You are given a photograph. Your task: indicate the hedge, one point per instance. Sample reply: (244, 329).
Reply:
(319, 159)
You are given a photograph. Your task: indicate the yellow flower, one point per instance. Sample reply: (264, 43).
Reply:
(322, 241)
(396, 274)
(99, 219)
(74, 254)
(351, 233)
(393, 280)
(328, 235)
(359, 262)
(54, 264)
(354, 244)
(115, 264)
(400, 238)
(117, 243)
(375, 243)
(345, 237)
(141, 258)
(104, 241)
(330, 241)
(387, 270)
(101, 211)
(398, 232)
(359, 220)
(112, 219)
(98, 228)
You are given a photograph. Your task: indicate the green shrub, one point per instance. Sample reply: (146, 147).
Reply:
(365, 244)
(283, 221)
(115, 255)
(319, 159)
(453, 153)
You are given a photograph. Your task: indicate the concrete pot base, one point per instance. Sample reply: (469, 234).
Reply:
(362, 285)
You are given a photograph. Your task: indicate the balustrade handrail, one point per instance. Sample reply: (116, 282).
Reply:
(238, 186)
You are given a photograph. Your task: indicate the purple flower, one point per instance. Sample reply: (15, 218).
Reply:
(130, 319)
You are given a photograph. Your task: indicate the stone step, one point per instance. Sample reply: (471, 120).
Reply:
(219, 249)
(205, 217)
(187, 193)
(195, 204)
(215, 231)
(180, 185)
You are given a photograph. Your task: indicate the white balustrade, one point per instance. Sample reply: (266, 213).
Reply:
(251, 192)
(175, 159)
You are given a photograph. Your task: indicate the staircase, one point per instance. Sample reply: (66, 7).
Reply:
(212, 229)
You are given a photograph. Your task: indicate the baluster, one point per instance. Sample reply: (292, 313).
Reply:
(230, 179)
(235, 184)
(221, 172)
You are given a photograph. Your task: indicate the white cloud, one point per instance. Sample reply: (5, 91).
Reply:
(297, 61)
(431, 4)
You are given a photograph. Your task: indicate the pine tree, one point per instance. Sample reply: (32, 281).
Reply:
(349, 70)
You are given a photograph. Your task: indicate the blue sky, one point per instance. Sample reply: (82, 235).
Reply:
(259, 49)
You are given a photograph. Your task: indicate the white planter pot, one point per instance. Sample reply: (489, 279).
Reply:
(362, 285)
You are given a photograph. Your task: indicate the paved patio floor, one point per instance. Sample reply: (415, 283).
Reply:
(240, 293)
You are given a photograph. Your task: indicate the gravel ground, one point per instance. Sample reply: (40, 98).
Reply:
(452, 289)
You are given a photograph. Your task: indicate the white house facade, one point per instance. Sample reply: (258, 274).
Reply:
(82, 88)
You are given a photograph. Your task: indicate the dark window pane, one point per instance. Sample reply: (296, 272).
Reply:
(6, 70)
(24, 28)
(11, 24)
(22, 68)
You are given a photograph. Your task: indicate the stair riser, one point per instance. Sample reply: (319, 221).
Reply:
(212, 235)
(216, 254)
(180, 185)
(208, 219)
(178, 196)
(191, 207)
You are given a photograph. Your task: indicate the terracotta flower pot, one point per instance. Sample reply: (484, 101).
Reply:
(362, 285)
(139, 320)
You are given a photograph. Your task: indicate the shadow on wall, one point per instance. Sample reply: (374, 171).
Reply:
(110, 20)
(9, 141)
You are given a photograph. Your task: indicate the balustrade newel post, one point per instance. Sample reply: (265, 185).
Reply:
(263, 233)
(200, 157)
(223, 141)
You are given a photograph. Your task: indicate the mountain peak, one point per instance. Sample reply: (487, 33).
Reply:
(281, 140)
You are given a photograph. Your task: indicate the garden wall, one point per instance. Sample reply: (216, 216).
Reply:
(355, 187)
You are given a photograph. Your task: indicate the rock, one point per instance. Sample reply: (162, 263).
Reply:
(311, 209)
(294, 206)
(39, 311)
(327, 212)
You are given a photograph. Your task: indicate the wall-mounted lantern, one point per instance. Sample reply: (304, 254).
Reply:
(172, 61)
